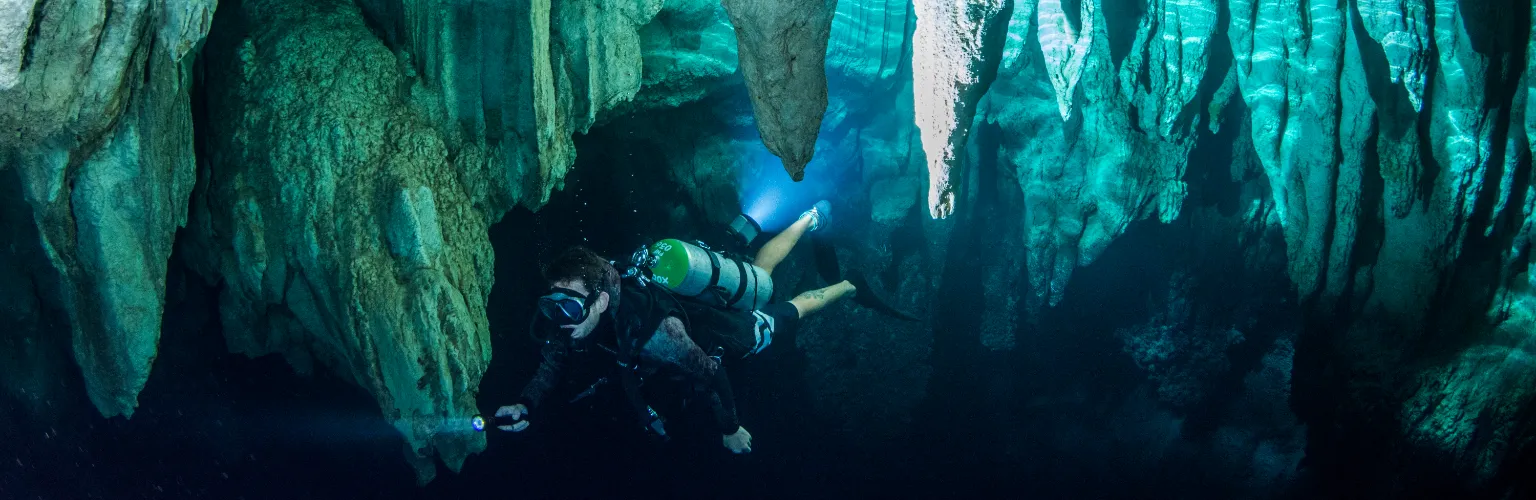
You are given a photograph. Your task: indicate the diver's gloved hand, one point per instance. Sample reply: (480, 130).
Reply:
(516, 411)
(740, 442)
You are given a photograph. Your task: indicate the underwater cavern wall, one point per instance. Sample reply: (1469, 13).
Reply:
(1354, 176)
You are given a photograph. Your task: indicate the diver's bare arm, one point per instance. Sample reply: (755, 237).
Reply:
(672, 345)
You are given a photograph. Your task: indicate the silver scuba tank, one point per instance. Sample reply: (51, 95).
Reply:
(706, 275)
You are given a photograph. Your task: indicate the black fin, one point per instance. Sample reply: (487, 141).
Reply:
(866, 297)
(826, 261)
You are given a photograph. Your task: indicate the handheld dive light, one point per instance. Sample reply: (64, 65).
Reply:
(479, 421)
(746, 229)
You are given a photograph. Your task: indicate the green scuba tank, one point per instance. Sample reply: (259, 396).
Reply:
(693, 271)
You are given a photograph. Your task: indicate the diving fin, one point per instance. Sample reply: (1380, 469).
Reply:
(865, 296)
(832, 272)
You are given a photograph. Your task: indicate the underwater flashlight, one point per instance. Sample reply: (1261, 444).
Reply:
(745, 228)
(478, 421)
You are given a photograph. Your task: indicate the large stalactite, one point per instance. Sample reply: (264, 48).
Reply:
(94, 102)
(956, 50)
(1087, 169)
(326, 212)
(783, 47)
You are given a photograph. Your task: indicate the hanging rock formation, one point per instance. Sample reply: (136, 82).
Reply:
(509, 83)
(1065, 47)
(1282, 60)
(333, 217)
(1402, 28)
(98, 130)
(956, 49)
(783, 47)
(1086, 179)
(1167, 63)
(1311, 100)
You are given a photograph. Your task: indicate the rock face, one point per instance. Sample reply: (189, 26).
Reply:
(687, 53)
(1402, 28)
(1065, 47)
(1183, 358)
(1163, 73)
(955, 53)
(783, 47)
(345, 206)
(1085, 179)
(1281, 59)
(332, 215)
(93, 99)
(511, 82)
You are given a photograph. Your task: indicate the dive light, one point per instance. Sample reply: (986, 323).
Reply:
(745, 229)
(479, 421)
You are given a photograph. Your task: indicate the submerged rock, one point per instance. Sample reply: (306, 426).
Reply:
(783, 47)
(94, 102)
(688, 52)
(1288, 71)
(1470, 409)
(342, 232)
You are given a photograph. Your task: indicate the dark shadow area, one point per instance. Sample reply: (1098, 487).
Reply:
(209, 425)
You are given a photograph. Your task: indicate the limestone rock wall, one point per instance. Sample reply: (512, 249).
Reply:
(442, 106)
(98, 132)
(688, 52)
(340, 229)
(511, 82)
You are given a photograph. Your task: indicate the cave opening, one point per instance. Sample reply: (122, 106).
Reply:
(359, 239)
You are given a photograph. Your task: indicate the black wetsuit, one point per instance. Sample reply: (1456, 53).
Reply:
(640, 315)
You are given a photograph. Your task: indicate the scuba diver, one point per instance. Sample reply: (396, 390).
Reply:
(662, 314)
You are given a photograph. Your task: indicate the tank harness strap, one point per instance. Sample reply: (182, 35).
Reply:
(714, 270)
(741, 283)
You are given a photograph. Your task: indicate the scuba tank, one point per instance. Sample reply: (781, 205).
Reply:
(702, 274)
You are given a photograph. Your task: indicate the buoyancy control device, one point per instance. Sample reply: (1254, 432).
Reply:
(700, 273)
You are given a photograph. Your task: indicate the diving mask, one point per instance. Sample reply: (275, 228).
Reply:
(564, 306)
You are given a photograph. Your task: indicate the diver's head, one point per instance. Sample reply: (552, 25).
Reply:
(583, 285)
